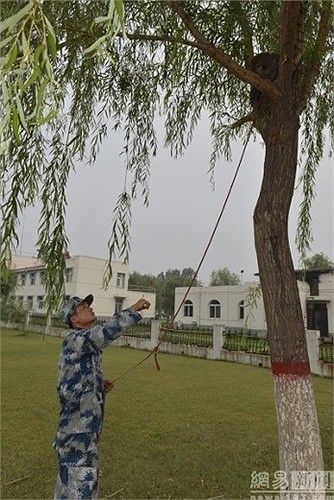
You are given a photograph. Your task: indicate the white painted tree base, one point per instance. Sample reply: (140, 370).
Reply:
(299, 436)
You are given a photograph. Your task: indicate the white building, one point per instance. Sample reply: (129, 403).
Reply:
(229, 305)
(84, 275)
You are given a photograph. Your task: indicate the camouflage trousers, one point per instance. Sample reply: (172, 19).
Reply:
(78, 466)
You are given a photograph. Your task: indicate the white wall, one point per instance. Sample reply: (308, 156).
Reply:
(87, 278)
(229, 298)
(326, 292)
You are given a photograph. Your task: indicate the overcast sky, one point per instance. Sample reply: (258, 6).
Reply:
(174, 230)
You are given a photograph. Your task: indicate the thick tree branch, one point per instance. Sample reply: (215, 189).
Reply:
(320, 47)
(224, 60)
(188, 22)
(245, 119)
(289, 41)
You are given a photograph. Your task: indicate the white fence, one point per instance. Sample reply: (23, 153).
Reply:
(217, 352)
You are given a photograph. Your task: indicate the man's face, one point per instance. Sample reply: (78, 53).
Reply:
(83, 315)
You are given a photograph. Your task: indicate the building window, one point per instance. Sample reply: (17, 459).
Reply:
(120, 280)
(214, 309)
(32, 278)
(242, 309)
(40, 302)
(20, 300)
(22, 279)
(69, 275)
(30, 302)
(42, 277)
(188, 309)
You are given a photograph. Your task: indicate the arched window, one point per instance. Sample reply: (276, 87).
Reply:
(242, 309)
(188, 309)
(214, 309)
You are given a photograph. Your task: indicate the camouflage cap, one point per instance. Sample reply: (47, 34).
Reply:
(72, 304)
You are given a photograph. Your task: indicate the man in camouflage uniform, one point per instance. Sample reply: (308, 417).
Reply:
(81, 391)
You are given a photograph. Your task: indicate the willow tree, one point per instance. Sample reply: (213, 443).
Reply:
(71, 75)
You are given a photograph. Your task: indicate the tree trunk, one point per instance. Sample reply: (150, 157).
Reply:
(298, 429)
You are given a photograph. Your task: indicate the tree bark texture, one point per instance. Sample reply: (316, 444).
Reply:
(298, 429)
(299, 442)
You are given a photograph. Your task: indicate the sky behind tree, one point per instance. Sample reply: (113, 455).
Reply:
(174, 230)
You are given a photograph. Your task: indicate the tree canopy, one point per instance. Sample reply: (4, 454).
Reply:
(318, 261)
(164, 285)
(68, 80)
(223, 277)
(69, 76)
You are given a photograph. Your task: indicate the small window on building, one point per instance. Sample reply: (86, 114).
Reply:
(42, 277)
(20, 300)
(30, 302)
(22, 279)
(214, 309)
(32, 278)
(120, 280)
(242, 309)
(40, 302)
(188, 309)
(69, 275)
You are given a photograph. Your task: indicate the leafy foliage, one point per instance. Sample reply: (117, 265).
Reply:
(164, 284)
(318, 261)
(224, 276)
(11, 310)
(68, 80)
(8, 286)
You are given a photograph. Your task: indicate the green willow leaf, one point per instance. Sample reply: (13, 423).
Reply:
(21, 112)
(5, 41)
(51, 39)
(11, 22)
(11, 58)
(40, 120)
(32, 79)
(16, 123)
(95, 45)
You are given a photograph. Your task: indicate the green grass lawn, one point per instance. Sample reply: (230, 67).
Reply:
(196, 429)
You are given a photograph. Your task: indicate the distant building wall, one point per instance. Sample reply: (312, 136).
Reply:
(228, 305)
(326, 292)
(221, 305)
(84, 275)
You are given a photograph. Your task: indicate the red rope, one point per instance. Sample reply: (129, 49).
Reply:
(155, 350)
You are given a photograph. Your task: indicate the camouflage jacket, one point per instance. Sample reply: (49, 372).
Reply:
(80, 380)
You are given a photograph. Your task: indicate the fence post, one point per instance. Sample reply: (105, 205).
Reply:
(223, 336)
(312, 341)
(155, 330)
(26, 320)
(47, 330)
(218, 340)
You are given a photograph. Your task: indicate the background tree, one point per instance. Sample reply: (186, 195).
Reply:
(169, 281)
(179, 59)
(318, 261)
(147, 281)
(8, 286)
(11, 310)
(164, 284)
(223, 277)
